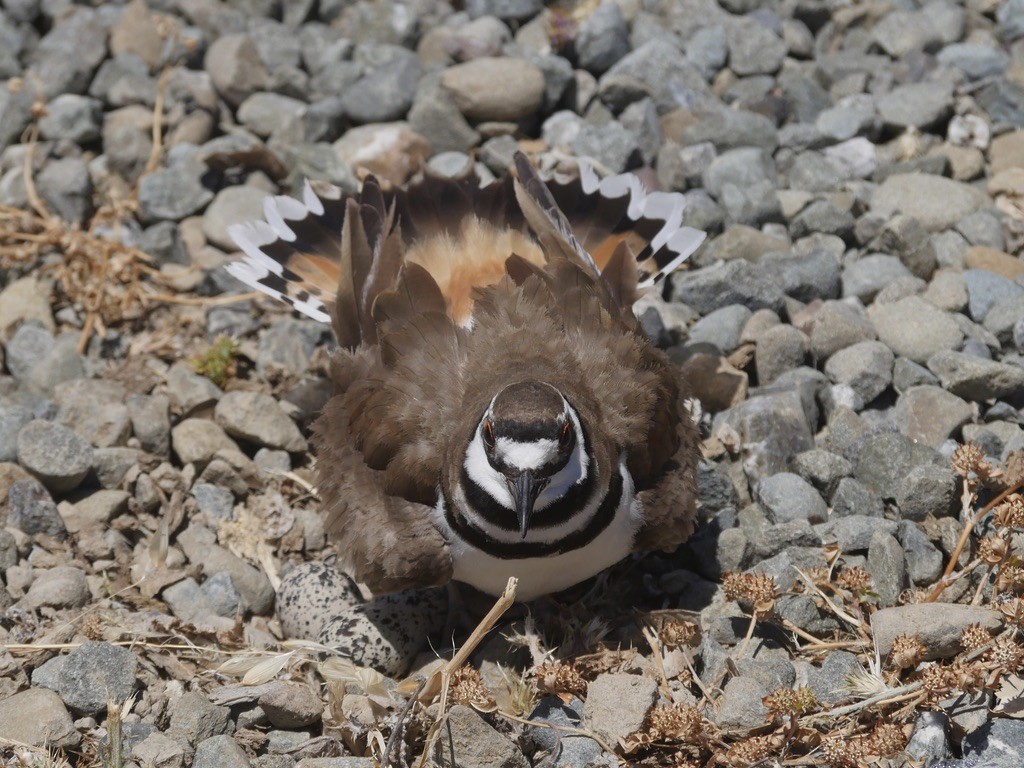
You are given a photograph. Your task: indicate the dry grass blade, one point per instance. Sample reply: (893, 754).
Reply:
(267, 670)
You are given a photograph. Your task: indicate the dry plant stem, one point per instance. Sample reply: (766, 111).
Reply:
(652, 640)
(433, 686)
(832, 606)
(30, 183)
(563, 728)
(965, 534)
(746, 638)
(158, 113)
(981, 586)
(115, 758)
(214, 301)
(437, 683)
(396, 732)
(896, 694)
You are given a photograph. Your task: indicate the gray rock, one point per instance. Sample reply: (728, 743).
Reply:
(253, 586)
(984, 228)
(813, 172)
(999, 743)
(235, 67)
(830, 682)
(214, 502)
(478, 745)
(195, 719)
(160, 750)
(931, 415)
(915, 329)
(786, 497)
(53, 453)
(822, 469)
(66, 186)
(852, 497)
(728, 129)
(266, 113)
(907, 374)
(95, 410)
(68, 55)
(291, 705)
(617, 704)
(974, 378)
(72, 117)
(110, 465)
(196, 441)
(740, 705)
(657, 69)
(887, 566)
(866, 367)
(773, 428)
(938, 625)
(187, 601)
(219, 752)
(602, 39)
(388, 632)
(741, 167)
(310, 595)
(918, 105)
(95, 673)
(938, 203)
(611, 145)
(778, 350)
(232, 205)
(640, 120)
(772, 539)
(31, 510)
(571, 750)
(481, 88)
(1003, 317)
(174, 192)
(734, 282)
(384, 95)
(850, 116)
(806, 276)
(219, 592)
(8, 550)
(435, 116)
(60, 587)
(837, 325)
(37, 717)
(822, 216)
(885, 460)
(506, 10)
(905, 237)
(721, 328)
(924, 560)
(868, 275)
(258, 418)
(985, 289)
(708, 50)
(29, 344)
(151, 422)
(974, 60)
(753, 49)
(189, 391)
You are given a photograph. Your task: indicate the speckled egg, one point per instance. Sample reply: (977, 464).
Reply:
(310, 595)
(387, 633)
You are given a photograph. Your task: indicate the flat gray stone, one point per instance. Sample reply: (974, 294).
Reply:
(937, 624)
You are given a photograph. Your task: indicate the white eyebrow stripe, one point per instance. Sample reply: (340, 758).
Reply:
(531, 455)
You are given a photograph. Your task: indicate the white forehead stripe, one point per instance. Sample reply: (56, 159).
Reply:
(531, 455)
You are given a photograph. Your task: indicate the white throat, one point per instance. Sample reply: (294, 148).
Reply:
(529, 455)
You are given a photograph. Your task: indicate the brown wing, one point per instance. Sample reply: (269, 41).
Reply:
(670, 500)
(383, 540)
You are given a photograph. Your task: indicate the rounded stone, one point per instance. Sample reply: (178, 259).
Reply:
(491, 88)
(55, 454)
(95, 673)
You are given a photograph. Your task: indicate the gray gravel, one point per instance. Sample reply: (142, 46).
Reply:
(857, 307)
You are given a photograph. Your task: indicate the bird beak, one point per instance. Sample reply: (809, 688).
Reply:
(525, 490)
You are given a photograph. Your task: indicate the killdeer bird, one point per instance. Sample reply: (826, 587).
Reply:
(498, 410)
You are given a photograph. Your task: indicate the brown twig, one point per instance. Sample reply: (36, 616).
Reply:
(965, 535)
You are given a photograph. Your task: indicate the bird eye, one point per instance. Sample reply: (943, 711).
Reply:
(565, 439)
(488, 435)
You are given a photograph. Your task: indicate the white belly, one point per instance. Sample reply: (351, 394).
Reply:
(540, 576)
